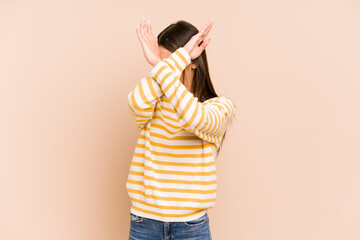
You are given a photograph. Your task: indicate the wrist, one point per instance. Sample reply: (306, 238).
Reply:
(154, 63)
(187, 50)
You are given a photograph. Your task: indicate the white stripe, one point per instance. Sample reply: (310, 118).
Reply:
(188, 197)
(175, 176)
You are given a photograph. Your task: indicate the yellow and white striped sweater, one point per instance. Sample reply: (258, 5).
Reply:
(172, 176)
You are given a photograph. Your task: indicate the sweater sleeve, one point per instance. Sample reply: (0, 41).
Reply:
(207, 120)
(142, 99)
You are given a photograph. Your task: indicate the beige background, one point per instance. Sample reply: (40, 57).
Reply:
(290, 165)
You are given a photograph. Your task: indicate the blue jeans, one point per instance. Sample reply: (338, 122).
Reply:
(142, 228)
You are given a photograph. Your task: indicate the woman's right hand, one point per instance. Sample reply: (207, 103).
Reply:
(148, 42)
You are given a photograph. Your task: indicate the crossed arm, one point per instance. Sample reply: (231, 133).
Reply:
(207, 121)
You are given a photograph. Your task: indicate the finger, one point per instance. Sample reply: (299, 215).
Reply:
(147, 26)
(137, 31)
(206, 42)
(143, 27)
(140, 34)
(207, 28)
(204, 27)
(140, 28)
(202, 34)
(148, 34)
(150, 30)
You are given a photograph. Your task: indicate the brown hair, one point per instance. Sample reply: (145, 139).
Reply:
(177, 35)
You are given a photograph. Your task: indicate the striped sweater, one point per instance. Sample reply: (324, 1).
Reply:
(172, 175)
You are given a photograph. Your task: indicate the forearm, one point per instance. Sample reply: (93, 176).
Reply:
(192, 114)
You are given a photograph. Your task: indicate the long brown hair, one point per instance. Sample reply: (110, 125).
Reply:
(177, 35)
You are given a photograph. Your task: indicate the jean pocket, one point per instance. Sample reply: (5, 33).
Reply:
(136, 218)
(199, 221)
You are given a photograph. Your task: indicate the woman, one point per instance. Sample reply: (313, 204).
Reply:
(181, 121)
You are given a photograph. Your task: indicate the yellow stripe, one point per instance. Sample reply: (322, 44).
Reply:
(165, 77)
(162, 180)
(133, 101)
(220, 128)
(180, 99)
(143, 97)
(182, 57)
(176, 190)
(175, 91)
(211, 125)
(166, 129)
(171, 66)
(163, 68)
(171, 110)
(203, 115)
(158, 72)
(137, 115)
(185, 111)
(151, 87)
(158, 135)
(173, 172)
(177, 155)
(210, 129)
(186, 108)
(221, 106)
(176, 63)
(227, 107)
(191, 120)
(136, 173)
(139, 122)
(166, 123)
(183, 164)
(130, 109)
(218, 122)
(171, 83)
(171, 198)
(197, 146)
(170, 118)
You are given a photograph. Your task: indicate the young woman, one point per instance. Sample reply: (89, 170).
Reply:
(182, 122)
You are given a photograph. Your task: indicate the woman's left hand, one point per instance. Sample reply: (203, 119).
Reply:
(197, 43)
(148, 42)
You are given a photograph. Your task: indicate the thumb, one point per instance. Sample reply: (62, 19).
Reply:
(206, 43)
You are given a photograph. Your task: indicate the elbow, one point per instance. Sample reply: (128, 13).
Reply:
(130, 102)
(129, 96)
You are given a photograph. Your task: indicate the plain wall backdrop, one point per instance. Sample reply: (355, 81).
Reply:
(290, 164)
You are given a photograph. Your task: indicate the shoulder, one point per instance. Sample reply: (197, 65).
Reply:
(223, 103)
